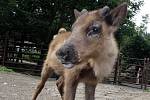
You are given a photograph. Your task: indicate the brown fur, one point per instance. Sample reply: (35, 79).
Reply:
(97, 54)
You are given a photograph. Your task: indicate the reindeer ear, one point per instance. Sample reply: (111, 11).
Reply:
(77, 13)
(117, 14)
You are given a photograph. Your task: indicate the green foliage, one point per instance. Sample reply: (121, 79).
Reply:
(34, 57)
(137, 47)
(42, 18)
(147, 90)
(5, 69)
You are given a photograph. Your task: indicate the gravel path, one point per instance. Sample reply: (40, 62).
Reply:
(15, 86)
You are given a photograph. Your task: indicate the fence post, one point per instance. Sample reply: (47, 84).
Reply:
(40, 62)
(116, 70)
(119, 70)
(5, 48)
(142, 73)
(145, 73)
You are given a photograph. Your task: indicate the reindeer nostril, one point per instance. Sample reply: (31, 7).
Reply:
(67, 52)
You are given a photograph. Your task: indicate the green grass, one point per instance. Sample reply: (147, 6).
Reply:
(147, 90)
(5, 69)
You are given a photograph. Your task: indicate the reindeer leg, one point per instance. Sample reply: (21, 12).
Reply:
(46, 72)
(90, 91)
(60, 85)
(71, 82)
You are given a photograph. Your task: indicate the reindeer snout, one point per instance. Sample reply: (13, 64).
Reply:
(67, 54)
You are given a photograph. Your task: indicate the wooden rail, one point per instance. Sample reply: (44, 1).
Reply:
(28, 56)
(133, 71)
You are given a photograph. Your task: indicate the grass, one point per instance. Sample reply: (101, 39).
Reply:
(5, 69)
(147, 90)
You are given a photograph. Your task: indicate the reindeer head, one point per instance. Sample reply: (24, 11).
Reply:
(90, 31)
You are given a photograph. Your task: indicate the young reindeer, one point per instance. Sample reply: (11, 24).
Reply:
(87, 54)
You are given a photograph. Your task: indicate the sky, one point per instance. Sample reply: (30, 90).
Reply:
(145, 9)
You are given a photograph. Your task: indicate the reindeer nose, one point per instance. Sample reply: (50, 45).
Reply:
(64, 54)
(67, 54)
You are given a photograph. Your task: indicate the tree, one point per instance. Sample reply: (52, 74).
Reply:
(138, 45)
(40, 19)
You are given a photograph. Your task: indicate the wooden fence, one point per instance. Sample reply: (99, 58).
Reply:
(26, 56)
(132, 72)
(21, 55)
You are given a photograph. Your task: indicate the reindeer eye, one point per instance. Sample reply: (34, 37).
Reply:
(93, 31)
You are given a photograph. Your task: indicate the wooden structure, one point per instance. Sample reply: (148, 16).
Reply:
(26, 56)
(21, 54)
(132, 72)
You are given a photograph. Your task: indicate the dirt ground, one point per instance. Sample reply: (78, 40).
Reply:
(16, 86)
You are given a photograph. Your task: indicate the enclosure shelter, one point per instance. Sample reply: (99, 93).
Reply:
(19, 52)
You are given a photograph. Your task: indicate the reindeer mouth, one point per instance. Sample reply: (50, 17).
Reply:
(71, 64)
(68, 65)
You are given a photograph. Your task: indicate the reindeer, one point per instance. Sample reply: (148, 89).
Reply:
(86, 54)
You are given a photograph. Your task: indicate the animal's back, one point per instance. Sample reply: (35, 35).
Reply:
(55, 44)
